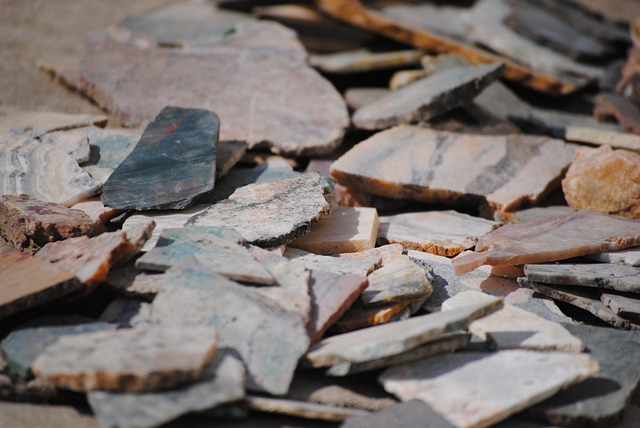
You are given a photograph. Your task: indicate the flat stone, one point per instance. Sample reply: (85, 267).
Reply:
(427, 98)
(604, 180)
(42, 122)
(346, 230)
(536, 213)
(89, 259)
(137, 235)
(386, 253)
(358, 317)
(301, 409)
(134, 282)
(108, 148)
(360, 97)
(479, 389)
(504, 172)
(23, 345)
(396, 281)
(413, 413)
(585, 232)
(43, 172)
(596, 275)
(27, 282)
(361, 60)
(158, 358)
(405, 77)
(362, 266)
(74, 143)
(515, 328)
(257, 211)
(220, 384)
(171, 166)
(95, 209)
(391, 339)
(628, 257)
(127, 313)
(626, 307)
(601, 400)
(281, 117)
(625, 11)
(445, 233)
(52, 416)
(28, 224)
(238, 313)
(228, 154)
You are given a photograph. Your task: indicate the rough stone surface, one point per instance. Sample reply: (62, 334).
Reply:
(358, 317)
(386, 253)
(479, 389)
(302, 409)
(427, 98)
(625, 307)
(95, 209)
(445, 233)
(127, 312)
(624, 111)
(360, 97)
(628, 257)
(132, 281)
(596, 275)
(108, 148)
(26, 282)
(43, 122)
(499, 173)
(362, 266)
(28, 224)
(32, 415)
(74, 143)
(264, 53)
(364, 60)
(171, 166)
(132, 360)
(396, 281)
(270, 214)
(346, 230)
(413, 413)
(604, 180)
(585, 232)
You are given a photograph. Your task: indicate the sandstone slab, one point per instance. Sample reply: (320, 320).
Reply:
(386, 253)
(585, 232)
(361, 266)
(302, 409)
(418, 163)
(396, 281)
(361, 60)
(466, 388)
(626, 307)
(43, 122)
(358, 317)
(596, 275)
(445, 233)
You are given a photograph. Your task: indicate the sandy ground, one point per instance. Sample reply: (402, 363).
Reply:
(31, 30)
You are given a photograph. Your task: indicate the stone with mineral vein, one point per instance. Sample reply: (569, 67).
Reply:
(270, 214)
(499, 173)
(171, 166)
(427, 98)
(598, 275)
(472, 389)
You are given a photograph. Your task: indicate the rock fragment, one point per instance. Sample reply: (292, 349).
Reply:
(592, 275)
(42, 122)
(397, 281)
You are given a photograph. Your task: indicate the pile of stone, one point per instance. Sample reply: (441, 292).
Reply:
(268, 243)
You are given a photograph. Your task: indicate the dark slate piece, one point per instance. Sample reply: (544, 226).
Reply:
(625, 307)
(598, 275)
(171, 166)
(413, 413)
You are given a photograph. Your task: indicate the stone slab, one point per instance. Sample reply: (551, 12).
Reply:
(43, 122)
(596, 275)
(172, 164)
(623, 110)
(228, 154)
(445, 233)
(394, 338)
(133, 360)
(427, 98)
(269, 339)
(270, 214)
(360, 97)
(515, 328)
(27, 282)
(28, 224)
(585, 232)
(358, 317)
(362, 266)
(495, 173)
(362, 60)
(302, 409)
(536, 213)
(413, 413)
(346, 230)
(479, 389)
(628, 257)
(74, 143)
(127, 312)
(386, 253)
(626, 307)
(220, 384)
(95, 209)
(396, 281)
(108, 148)
(53, 416)
(137, 235)
(134, 282)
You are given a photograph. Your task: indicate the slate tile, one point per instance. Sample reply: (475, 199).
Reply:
(593, 275)
(626, 307)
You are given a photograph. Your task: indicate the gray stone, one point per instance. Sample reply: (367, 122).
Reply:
(364, 60)
(344, 265)
(398, 280)
(108, 148)
(301, 409)
(360, 97)
(413, 413)
(628, 257)
(74, 143)
(42, 122)
(52, 416)
(626, 307)
(134, 282)
(228, 155)
(357, 316)
(595, 275)
(127, 312)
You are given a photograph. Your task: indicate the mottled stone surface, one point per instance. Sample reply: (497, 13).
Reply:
(585, 232)
(74, 143)
(31, 415)
(413, 413)
(417, 163)
(89, 259)
(362, 266)
(270, 214)
(221, 383)
(42, 171)
(364, 60)
(127, 312)
(133, 360)
(515, 328)
(628, 257)
(358, 317)
(597, 275)
(269, 339)
(479, 389)
(626, 307)
(427, 98)
(172, 164)
(396, 281)
(108, 148)
(604, 180)
(346, 230)
(302, 409)
(624, 11)
(28, 224)
(26, 282)
(296, 110)
(386, 253)
(445, 233)
(43, 122)
(137, 235)
(96, 211)
(391, 339)
(135, 282)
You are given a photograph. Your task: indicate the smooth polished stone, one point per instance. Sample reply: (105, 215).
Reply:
(357, 317)
(495, 173)
(270, 214)
(302, 409)
(445, 233)
(171, 166)
(361, 60)
(361, 266)
(473, 389)
(427, 98)
(133, 360)
(346, 230)
(42, 122)
(626, 307)
(28, 224)
(585, 232)
(296, 112)
(27, 282)
(594, 275)
(396, 281)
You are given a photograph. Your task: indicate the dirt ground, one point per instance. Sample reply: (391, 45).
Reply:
(31, 30)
